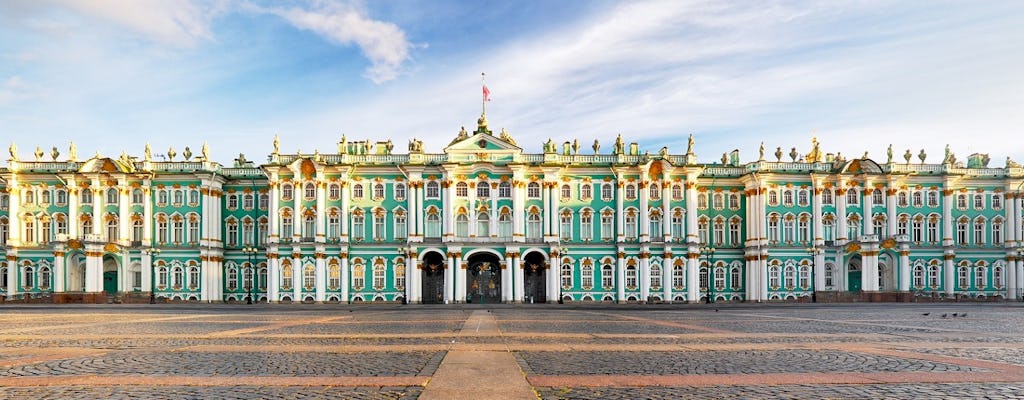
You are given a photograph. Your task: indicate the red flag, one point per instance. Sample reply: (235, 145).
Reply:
(487, 94)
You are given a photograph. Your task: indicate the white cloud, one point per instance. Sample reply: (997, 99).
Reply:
(383, 43)
(178, 23)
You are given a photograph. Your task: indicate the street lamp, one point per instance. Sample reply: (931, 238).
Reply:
(1020, 290)
(709, 253)
(814, 252)
(152, 252)
(249, 251)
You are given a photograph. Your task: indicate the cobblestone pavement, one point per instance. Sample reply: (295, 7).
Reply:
(565, 351)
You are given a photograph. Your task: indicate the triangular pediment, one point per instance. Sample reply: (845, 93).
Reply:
(482, 142)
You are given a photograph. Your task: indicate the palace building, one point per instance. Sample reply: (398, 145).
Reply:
(484, 222)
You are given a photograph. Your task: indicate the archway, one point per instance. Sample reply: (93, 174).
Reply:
(483, 278)
(110, 278)
(886, 274)
(853, 274)
(75, 273)
(534, 278)
(432, 285)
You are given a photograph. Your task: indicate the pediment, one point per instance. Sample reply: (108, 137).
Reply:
(482, 142)
(99, 164)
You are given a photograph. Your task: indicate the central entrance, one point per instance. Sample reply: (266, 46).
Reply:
(432, 288)
(483, 278)
(854, 274)
(534, 278)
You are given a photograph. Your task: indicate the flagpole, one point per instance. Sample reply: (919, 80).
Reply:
(483, 99)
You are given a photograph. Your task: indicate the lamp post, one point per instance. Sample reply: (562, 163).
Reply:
(814, 252)
(251, 252)
(709, 253)
(152, 252)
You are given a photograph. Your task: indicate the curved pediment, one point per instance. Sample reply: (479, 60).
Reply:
(861, 166)
(104, 164)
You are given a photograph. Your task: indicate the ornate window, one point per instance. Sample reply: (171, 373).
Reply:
(309, 191)
(334, 191)
(400, 274)
(607, 192)
(286, 192)
(533, 190)
(379, 275)
(137, 196)
(505, 190)
(232, 201)
(400, 191)
(533, 224)
(586, 225)
(461, 189)
(736, 278)
(401, 226)
(566, 192)
(505, 223)
(432, 190)
(286, 275)
(607, 225)
(462, 225)
(827, 197)
(566, 274)
(309, 277)
(193, 277)
(630, 191)
(678, 275)
(631, 275)
(586, 191)
(357, 191)
(607, 276)
(630, 226)
(587, 275)
(654, 191)
(565, 225)
(333, 275)
(483, 224)
(378, 191)
(774, 275)
(655, 276)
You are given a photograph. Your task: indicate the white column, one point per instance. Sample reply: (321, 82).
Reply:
(620, 271)
(298, 219)
(644, 222)
(344, 278)
(819, 271)
(1012, 215)
(556, 225)
(449, 208)
(507, 281)
(517, 277)
(124, 216)
(666, 213)
(645, 273)
(449, 278)
(493, 214)
(472, 209)
(667, 264)
(12, 266)
(73, 209)
(345, 196)
(692, 276)
(554, 287)
(147, 217)
(59, 266)
(947, 220)
(273, 275)
(460, 278)
(949, 274)
(517, 216)
(546, 201)
(840, 198)
(272, 220)
(321, 212)
(691, 211)
(867, 210)
(93, 272)
(147, 272)
(412, 275)
(904, 269)
(298, 273)
(891, 220)
(620, 220)
(819, 228)
(321, 276)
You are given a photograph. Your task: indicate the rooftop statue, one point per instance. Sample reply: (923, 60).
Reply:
(889, 153)
(596, 146)
(778, 154)
(148, 153)
(1011, 164)
(54, 153)
(343, 145)
(689, 145)
(206, 152)
(277, 144)
(13, 149)
(73, 152)
(507, 137)
(815, 154)
(39, 154)
(760, 152)
(921, 156)
(619, 147)
(908, 155)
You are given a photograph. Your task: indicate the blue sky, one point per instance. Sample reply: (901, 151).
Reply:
(112, 75)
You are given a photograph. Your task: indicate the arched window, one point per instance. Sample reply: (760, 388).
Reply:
(193, 277)
(400, 274)
(112, 196)
(309, 191)
(587, 276)
(28, 277)
(286, 275)
(432, 190)
(919, 276)
(533, 225)
(719, 276)
(309, 277)
(631, 276)
(565, 225)
(678, 275)
(805, 277)
(232, 278)
(177, 277)
(358, 226)
(334, 191)
(826, 197)
(231, 239)
(607, 276)
(483, 190)
(379, 276)
(462, 225)
(606, 191)
(333, 275)
(566, 192)
(736, 279)
(286, 192)
(586, 225)
(677, 192)
(586, 192)
(378, 191)
(630, 191)
(654, 191)
(112, 228)
(851, 197)
(400, 225)
(533, 190)
(357, 191)
(655, 276)
(630, 225)
(790, 277)
(161, 277)
(433, 225)
(655, 224)
(505, 223)
(45, 278)
(483, 224)
(399, 190)
(505, 190)
(566, 275)
(86, 196)
(461, 189)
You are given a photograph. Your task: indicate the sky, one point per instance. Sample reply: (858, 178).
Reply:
(113, 75)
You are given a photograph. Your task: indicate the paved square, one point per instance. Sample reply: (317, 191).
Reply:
(500, 351)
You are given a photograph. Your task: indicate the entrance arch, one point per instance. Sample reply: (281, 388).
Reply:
(110, 274)
(886, 274)
(75, 273)
(534, 277)
(432, 284)
(483, 277)
(854, 274)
